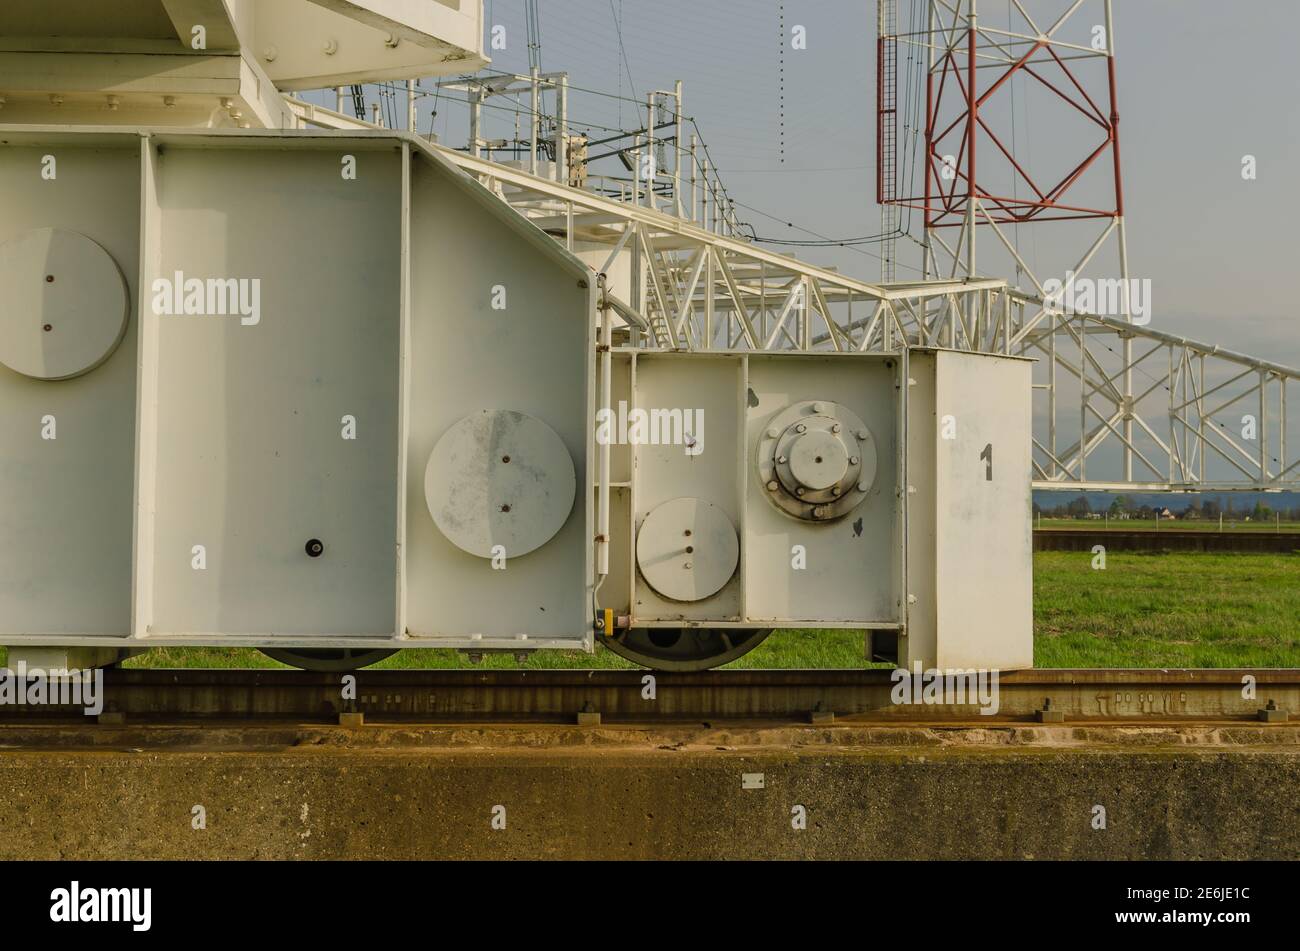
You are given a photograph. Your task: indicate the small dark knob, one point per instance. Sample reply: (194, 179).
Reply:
(315, 547)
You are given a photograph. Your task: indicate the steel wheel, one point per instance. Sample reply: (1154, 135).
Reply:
(685, 648)
(328, 660)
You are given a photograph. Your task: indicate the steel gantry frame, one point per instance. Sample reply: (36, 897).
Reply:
(698, 290)
(1117, 405)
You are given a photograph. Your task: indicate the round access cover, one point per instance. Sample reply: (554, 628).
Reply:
(687, 549)
(500, 477)
(63, 304)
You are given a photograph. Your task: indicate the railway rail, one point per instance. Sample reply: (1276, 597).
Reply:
(595, 696)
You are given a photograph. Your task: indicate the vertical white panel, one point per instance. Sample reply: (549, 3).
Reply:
(146, 426)
(984, 545)
(675, 383)
(852, 572)
(403, 387)
(535, 355)
(252, 462)
(918, 643)
(65, 507)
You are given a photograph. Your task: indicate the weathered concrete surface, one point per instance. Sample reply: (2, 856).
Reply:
(406, 792)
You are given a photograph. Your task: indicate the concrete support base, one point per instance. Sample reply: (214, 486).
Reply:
(555, 791)
(68, 658)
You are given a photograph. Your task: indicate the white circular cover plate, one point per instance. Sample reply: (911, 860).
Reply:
(687, 549)
(499, 477)
(63, 304)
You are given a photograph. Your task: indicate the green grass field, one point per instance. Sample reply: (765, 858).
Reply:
(1184, 609)
(1153, 609)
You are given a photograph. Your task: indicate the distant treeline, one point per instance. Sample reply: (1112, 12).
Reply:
(1211, 509)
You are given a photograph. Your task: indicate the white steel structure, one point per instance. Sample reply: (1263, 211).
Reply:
(472, 318)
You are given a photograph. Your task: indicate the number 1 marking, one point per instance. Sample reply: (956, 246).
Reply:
(987, 456)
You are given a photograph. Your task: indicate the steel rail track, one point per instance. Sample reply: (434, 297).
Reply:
(1091, 695)
(1171, 539)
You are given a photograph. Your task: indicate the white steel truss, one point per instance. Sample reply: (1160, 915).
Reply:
(1117, 405)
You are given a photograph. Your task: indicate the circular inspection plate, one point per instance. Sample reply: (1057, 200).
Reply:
(499, 477)
(687, 549)
(63, 304)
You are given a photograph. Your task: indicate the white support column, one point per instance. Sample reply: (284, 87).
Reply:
(562, 130)
(533, 125)
(475, 117)
(677, 152)
(653, 172)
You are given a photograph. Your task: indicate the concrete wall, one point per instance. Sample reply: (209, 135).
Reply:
(902, 793)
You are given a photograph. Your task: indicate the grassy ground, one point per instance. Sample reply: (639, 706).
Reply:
(803, 648)
(1149, 525)
(1146, 609)
(1152, 609)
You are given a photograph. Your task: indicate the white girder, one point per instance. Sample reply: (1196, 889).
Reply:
(700, 290)
(705, 291)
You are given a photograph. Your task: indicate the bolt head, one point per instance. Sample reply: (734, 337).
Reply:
(772, 485)
(773, 433)
(819, 407)
(836, 428)
(854, 460)
(781, 460)
(862, 487)
(799, 491)
(835, 490)
(863, 434)
(801, 428)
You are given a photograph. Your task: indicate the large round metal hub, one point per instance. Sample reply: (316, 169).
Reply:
(500, 482)
(816, 460)
(687, 549)
(63, 304)
(685, 648)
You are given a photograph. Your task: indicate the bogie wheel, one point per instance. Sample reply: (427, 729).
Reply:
(685, 648)
(328, 660)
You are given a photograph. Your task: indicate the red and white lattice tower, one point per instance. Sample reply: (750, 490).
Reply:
(968, 161)
(977, 56)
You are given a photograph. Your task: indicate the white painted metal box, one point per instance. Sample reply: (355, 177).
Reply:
(323, 390)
